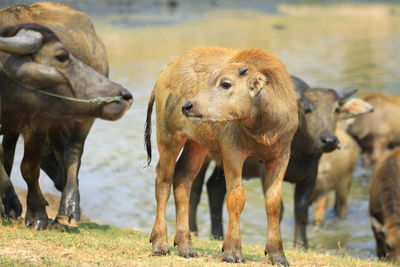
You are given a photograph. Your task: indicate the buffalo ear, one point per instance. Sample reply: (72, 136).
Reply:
(300, 86)
(256, 82)
(353, 108)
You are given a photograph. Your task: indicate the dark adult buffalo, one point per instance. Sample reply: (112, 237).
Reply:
(319, 110)
(64, 139)
(384, 203)
(43, 85)
(380, 129)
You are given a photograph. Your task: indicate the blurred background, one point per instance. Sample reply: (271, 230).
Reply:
(335, 44)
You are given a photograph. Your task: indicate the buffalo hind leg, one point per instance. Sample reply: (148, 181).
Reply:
(36, 216)
(216, 189)
(4, 184)
(275, 172)
(169, 150)
(12, 205)
(235, 200)
(186, 170)
(195, 195)
(302, 195)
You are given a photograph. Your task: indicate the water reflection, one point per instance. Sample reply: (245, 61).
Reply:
(336, 46)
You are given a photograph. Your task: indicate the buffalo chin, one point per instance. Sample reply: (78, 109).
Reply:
(329, 148)
(114, 111)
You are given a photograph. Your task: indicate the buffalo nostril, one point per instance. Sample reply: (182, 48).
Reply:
(329, 139)
(126, 95)
(187, 107)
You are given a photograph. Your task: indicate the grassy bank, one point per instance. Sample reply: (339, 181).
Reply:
(102, 245)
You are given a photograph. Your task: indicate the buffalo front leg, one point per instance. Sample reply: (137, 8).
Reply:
(302, 197)
(186, 170)
(195, 195)
(12, 205)
(275, 172)
(216, 188)
(69, 211)
(235, 200)
(36, 215)
(169, 151)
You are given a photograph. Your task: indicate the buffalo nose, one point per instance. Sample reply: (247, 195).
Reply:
(187, 107)
(329, 139)
(126, 95)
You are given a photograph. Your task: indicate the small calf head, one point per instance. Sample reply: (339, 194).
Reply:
(231, 94)
(319, 110)
(33, 57)
(390, 237)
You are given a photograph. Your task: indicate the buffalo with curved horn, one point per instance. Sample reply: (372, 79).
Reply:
(42, 85)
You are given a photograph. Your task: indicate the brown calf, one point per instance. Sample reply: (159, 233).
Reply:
(384, 203)
(233, 104)
(335, 173)
(380, 129)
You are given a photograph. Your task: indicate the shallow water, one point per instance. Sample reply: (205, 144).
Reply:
(337, 46)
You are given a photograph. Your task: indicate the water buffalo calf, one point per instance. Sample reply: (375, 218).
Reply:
(35, 68)
(384, 203)
(380, 129)
(233, 104)
(335, 173)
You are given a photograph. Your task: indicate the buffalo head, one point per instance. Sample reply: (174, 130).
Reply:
(33, 58)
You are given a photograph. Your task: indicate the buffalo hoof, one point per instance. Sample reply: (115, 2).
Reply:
(160, 249)
(36, 223)
(278, 259)
(12, 205)
(59, 226)
(69, 212)
(300, 244)
(233, 256)
(2, 210)
(187, 251)
(217, 236)
(66, 221)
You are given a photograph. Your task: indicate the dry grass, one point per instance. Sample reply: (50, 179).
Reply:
(102, 245)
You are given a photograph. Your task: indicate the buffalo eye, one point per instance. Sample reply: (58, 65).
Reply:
(307, 110)
(62, 57)
(226, 85)
(308, 107)
(337, 110)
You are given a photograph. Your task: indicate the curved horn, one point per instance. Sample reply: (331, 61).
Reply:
(24, 42)
(345, 94)
(242, 70)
